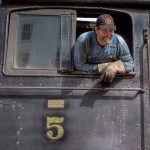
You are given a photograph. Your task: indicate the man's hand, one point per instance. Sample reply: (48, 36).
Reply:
(111, 70)
(102, 66)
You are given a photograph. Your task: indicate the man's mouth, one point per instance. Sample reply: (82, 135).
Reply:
(106, 39)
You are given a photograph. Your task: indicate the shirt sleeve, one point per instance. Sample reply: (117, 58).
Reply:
(124, 55)
(81, 56)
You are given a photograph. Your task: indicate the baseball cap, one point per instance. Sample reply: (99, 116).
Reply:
(105, 22)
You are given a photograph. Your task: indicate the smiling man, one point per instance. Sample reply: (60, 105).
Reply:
(103, 51)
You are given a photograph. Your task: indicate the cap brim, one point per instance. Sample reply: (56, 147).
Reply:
(107, 27)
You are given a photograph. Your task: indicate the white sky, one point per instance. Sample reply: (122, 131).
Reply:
(86, 19)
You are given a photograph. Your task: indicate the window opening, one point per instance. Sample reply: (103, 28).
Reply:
(86, 22)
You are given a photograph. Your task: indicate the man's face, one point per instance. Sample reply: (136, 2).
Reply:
(104, 36)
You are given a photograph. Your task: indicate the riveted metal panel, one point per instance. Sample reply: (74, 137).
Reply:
(96, 116)
(10, 125)
(94, 120)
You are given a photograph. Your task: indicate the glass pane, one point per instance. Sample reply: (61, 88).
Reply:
(38, 42)
(65, 43)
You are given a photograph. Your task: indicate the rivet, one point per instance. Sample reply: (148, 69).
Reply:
(147, 147)
(94, 129)
(97, 118)
(18, 117)
(148, 125)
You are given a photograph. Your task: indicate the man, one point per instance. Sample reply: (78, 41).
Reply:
(103, 51)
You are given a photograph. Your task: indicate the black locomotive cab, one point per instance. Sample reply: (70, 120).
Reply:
(45, 103)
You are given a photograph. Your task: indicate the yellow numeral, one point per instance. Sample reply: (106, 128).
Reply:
(53, 122)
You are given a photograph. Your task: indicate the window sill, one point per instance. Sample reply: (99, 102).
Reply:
(92, 74)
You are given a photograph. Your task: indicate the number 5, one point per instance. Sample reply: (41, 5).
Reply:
(53, 122)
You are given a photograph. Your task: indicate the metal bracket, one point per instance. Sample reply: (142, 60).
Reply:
(146, 40)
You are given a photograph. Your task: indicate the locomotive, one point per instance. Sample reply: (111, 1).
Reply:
(45, 103)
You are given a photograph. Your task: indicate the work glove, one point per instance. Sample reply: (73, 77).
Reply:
(111, 70)
(102, 66)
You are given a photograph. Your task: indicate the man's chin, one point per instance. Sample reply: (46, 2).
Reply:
(107, 42)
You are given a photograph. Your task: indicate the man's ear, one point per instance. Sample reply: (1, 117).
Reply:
(96, 29)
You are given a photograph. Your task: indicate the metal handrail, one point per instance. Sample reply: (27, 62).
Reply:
(72, 88)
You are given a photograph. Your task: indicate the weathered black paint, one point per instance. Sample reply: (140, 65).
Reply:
(94, 118)
(85, 1)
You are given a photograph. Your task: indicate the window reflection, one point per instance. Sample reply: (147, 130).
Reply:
(38, 42)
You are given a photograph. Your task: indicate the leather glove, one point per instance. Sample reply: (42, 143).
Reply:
(102, 66)
(112, 69)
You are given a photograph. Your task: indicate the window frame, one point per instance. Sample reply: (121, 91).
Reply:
(10, 40)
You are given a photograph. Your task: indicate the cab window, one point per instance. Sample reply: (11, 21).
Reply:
(123, 22)
(38, 41)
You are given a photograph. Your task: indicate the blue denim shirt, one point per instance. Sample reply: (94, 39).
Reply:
(88, 53)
